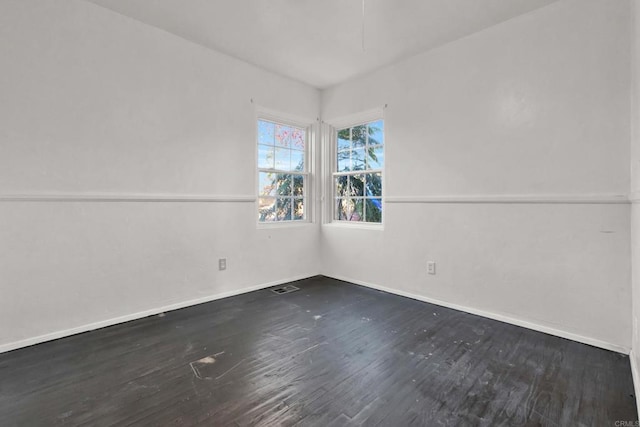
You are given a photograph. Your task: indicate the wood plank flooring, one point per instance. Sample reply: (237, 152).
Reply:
(331, 353)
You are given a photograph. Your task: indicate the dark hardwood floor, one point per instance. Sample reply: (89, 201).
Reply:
(331, 353)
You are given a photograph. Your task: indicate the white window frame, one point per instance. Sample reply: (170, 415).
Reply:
(300, 123)
(344, 123)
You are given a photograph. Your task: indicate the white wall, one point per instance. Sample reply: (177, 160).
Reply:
(96, 103)
(536, 108)
(635, 189)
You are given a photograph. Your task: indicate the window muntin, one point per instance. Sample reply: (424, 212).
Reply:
(282, 172)
(357, 177)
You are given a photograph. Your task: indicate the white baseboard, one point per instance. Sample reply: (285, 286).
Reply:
(636, 379)
(151, 312)
(500, 317)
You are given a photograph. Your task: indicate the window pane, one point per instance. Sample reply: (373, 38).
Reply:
(283, 209)
(373, 210)
(265, 156)
(357, 214)
(375, 157)
(357, 159)
(344, 161)
(351, 186)
(290, 137)
(349, 209)
(283, 136)
(359, 197)
(266, 209)
(265, 132)
(298, 209)
(356, 185)
(298, 185)
(297, 160)
(374, 185)
(341, 183)
(376, 132)
(344, 139)
(267, 184)
(283, 159)
(339, 209)
(299, 139)
(281, 195)
(284, 184)
(359, 135)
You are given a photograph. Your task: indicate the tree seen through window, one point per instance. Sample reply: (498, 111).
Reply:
(358, 174)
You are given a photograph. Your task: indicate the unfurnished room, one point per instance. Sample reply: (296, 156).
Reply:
(319, 213)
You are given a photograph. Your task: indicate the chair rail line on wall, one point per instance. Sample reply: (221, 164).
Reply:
(213, 198)
(124, 197)
(512, 199)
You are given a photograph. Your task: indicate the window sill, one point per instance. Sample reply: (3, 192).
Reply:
(355, 225)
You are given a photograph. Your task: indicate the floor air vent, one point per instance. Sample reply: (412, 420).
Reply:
(285, 289)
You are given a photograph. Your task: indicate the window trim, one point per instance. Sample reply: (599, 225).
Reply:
(350, 121)
(280, 118)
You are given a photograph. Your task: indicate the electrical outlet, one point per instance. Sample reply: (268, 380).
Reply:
(222, 264)
(431, 267)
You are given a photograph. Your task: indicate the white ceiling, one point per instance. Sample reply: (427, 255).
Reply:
(319, 42)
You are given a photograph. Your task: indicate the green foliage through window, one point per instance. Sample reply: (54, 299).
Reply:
(358, 173)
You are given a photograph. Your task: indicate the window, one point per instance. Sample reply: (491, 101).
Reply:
(282, 172)
(357, 177)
